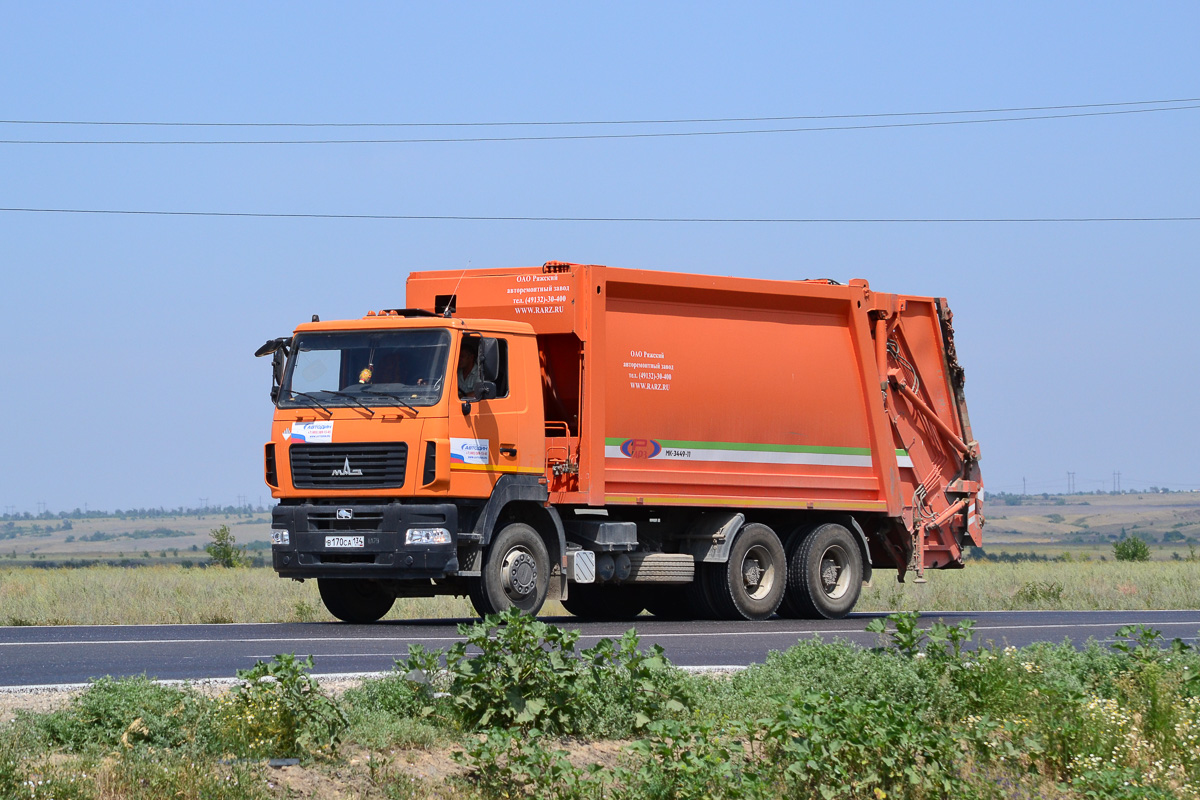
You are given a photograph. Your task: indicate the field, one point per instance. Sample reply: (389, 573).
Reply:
(126, 538)
(1066, 546)
(1086, 523)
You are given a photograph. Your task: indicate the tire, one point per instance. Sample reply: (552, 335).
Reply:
(354, 599)
(826, 572)
(605, 603)
(789, 609)
(516, 572)
(750, 585)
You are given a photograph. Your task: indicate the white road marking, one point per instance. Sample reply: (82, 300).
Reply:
(339, 640)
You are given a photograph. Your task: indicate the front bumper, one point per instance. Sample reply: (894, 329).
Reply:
(383, 526)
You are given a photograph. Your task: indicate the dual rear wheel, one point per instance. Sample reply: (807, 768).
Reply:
(825, 572)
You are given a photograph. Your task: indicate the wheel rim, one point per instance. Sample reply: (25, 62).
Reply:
(518, 574)
(758, 572)
(835, 572)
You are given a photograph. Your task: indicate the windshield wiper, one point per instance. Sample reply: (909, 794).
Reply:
(315, 401)
(395, 397)
(351, 398)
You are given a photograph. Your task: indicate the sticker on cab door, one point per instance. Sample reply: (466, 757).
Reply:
(310, 432)
(468, 451)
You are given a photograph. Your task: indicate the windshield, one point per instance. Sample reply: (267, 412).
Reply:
(396, 368)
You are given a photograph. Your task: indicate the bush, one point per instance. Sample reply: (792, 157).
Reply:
(223, 549)
(831, 746)
(124, 713)
(527, 675)
(692, 759)
(279, 711)
(839, 668)
(1131, 549)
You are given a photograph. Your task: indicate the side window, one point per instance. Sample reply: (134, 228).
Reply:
(470, 371)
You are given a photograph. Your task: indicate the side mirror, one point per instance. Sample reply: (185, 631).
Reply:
(278, 350)
(489, 361)
(272, 346)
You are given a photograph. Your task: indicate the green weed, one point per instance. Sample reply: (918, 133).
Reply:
(123, 713)
(278, 710)
(514, 671)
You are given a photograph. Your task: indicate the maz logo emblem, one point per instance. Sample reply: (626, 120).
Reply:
(345, 472)
(345, 513)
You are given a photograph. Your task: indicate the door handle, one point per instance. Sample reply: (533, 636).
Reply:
(508, 451)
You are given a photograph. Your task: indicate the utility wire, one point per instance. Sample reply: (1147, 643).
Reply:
(483, 218)
(693, 121)
(577, 137)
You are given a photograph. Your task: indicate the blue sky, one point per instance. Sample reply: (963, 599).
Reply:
(127, 379)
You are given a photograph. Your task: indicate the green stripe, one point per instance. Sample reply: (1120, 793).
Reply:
(767, 448)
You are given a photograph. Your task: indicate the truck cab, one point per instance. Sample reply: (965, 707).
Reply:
(390, 435)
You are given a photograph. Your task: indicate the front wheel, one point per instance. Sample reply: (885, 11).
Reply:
(516, 573)
(354, 599)
(826, 572)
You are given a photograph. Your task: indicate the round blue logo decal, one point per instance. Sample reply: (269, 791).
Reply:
(640, 448)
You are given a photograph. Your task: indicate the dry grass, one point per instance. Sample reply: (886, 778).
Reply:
(1091, 585)
(164, 595)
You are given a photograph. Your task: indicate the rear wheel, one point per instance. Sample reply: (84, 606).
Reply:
(750, 585)
(354, 599)
(605, 603)
(789, 609)
(825, 575)
(516, 572)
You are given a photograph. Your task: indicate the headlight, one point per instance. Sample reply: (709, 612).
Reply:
(281, 537)
(427, 536)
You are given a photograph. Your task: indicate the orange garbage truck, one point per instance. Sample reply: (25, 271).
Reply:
(621, 440)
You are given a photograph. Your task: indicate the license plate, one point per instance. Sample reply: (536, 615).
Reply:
(343, 541)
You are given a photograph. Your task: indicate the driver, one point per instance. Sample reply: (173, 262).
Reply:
(468, 368)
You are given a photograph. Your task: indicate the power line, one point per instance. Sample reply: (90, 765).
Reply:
(595, 136)
(684, 121)
(485, 218)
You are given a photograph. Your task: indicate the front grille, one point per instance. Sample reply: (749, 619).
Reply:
(349, 466)
(326, 519)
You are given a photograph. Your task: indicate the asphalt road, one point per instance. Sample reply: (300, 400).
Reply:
(33, 656)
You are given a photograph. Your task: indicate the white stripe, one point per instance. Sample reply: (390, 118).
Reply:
(750, 457)
(905, 461)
